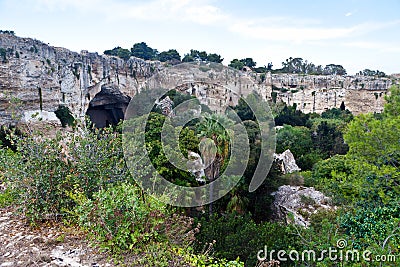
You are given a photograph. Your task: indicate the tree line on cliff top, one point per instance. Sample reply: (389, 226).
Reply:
(290, 65)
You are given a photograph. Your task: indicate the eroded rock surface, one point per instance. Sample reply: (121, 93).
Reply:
(295, 204)
(286, 162)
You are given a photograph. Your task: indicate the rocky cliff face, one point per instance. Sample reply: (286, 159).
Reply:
(311, 93)
(36, 78)
(295, 204)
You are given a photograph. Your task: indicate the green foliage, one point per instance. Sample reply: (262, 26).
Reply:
(392, 106)
(249, 62)
(7, 135)
(212, 57)
(171, 56)
(3, 54)
(65, 116)
(337, 113)
(375, 141)
(142, 50)
(119, 52)
(298, 140)
(156, 150)
(376, 73)
(289, 115)
(328, 137)
(7, 32)
(333, 69)
(196, 55)
(374, 225)
(239, 64)
(239, 236)
(297, 65)
(244, 111)
(48, 171)
(122, 218)
(236, 64)
(202, 260)
(7, 198)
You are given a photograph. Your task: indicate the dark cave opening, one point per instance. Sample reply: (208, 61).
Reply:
(108, 106)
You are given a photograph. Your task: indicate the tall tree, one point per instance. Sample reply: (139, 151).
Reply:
(142, 50)
(214, 145)
(171, 55)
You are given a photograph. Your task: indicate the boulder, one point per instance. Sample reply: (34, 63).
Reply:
(286, 162)
(295, 204)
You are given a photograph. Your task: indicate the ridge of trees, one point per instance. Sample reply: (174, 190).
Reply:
(290, 65)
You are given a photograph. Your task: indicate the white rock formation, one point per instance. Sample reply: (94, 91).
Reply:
(286, 162)
(295, 204)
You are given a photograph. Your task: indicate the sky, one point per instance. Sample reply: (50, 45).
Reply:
(356, 34)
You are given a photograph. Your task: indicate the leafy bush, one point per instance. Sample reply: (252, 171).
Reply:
(120, 220)
(65, 116)
(239, 236)
(371, 225)
(45, 171)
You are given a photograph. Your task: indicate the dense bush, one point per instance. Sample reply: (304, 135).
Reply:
(44, 171)
(122, 218)
(65, 116)
(239, 236)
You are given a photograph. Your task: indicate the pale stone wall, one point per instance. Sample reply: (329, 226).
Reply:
(40, 77)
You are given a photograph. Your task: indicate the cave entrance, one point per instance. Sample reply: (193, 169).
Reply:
(108, 106)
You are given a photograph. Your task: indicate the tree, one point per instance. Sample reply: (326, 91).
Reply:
(171, 55)
(196, 55)
(392, 106)
(142, 50)
(368, 72)
(333, 69)
(249, 62)
(297, 139)
(289, 115)
(236, 64)
(214, 58)
(212, 128)
(119, 52)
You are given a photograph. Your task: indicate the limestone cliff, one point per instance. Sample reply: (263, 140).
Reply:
(36, 78)
(312, 93)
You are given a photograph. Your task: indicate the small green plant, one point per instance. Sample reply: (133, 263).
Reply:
(45, 173)
(7, 198)
(65, 116)
(307, 200)
(3, 54)
(121, 218)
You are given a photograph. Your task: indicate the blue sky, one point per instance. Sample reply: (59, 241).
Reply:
(356, 34)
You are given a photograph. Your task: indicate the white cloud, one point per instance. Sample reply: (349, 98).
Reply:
(290, 33)
(199, 11)
(204, 12)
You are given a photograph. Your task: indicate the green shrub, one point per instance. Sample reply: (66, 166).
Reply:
(46, 170)
(239, 236)
(121, 218)
(65, 116)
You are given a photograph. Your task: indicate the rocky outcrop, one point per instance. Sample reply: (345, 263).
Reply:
(196, 166)
(35, 78)
(317, 93)
(286, 162)
(295, 204)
